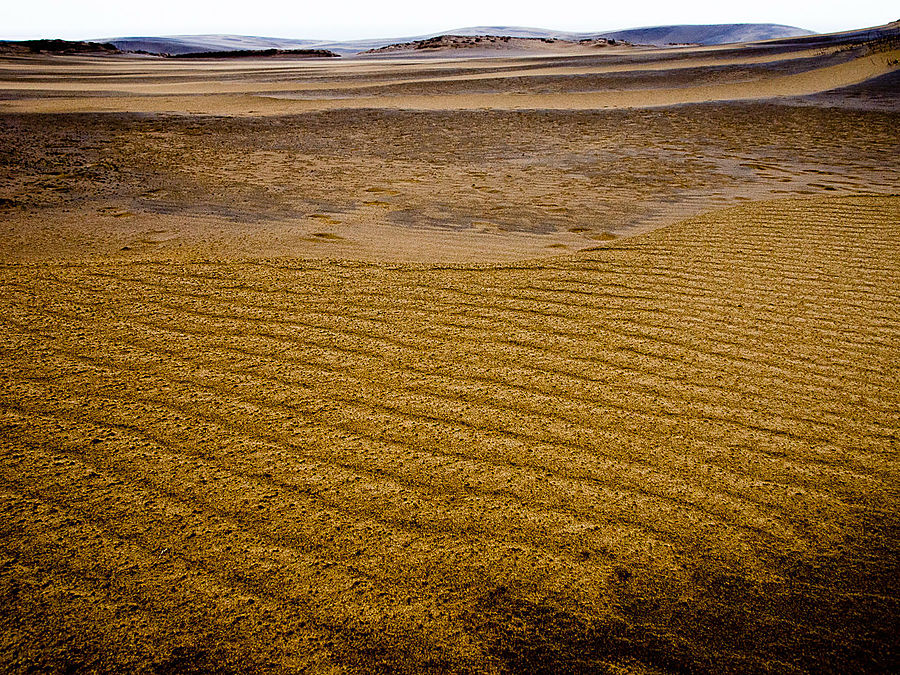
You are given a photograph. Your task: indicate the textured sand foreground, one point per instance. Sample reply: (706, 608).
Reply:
(677, 453)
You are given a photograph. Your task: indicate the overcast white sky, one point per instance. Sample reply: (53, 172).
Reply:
(350, 19)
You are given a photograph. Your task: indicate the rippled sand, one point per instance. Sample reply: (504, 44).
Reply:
(446, 389)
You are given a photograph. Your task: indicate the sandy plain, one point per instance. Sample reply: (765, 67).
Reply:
(530, 363)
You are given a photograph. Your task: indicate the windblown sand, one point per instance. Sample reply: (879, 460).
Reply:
(615, 78)
(448, 390)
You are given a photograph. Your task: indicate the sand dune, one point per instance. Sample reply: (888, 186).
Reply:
(365, 367)
(581, 82)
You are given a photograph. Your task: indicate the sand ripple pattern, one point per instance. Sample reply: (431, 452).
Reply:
(674, 453)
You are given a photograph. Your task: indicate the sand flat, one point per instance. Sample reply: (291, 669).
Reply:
(451, 186)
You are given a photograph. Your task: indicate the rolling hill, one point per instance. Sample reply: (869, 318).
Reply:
(659, 35)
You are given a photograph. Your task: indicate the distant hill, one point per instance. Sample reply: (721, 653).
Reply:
(191, 44)
(712, 34)
(55, 47)
(488, 42)
(717, 34)
(658, 35)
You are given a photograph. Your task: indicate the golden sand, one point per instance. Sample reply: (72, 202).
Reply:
(449, 390)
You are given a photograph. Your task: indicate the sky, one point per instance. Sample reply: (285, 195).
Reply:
(352, 19)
